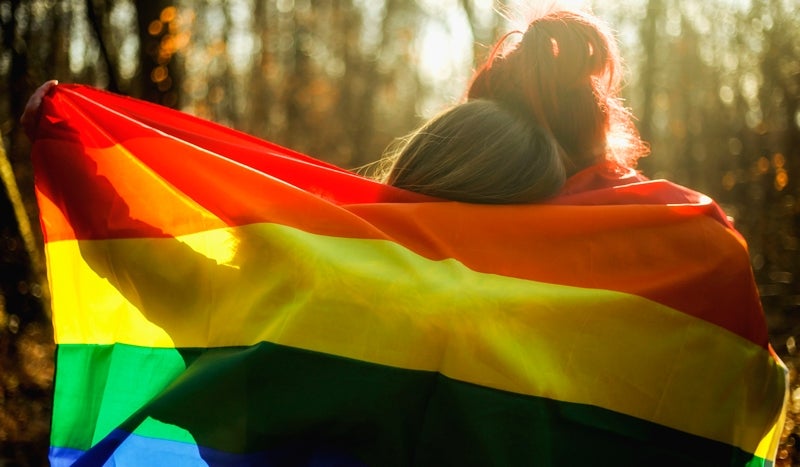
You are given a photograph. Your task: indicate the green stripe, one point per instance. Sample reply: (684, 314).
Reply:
(98, 386)
(270, 396)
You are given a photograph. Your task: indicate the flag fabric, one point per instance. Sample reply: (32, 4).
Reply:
(221, 300)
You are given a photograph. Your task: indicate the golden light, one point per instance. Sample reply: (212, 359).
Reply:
(159, 74)
(762, 166)
(168, 44)
(781, 179)
(778, 160)
(168, 14)
(155, 27)
(728, 180)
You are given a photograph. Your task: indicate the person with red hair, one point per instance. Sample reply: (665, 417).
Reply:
(565, 74)
(562, 81)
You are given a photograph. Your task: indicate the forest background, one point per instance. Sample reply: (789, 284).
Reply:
(715, 85)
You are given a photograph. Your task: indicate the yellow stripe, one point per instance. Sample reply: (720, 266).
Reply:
(375, 301)
(770, 443)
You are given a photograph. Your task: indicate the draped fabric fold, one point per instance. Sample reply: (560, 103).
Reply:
(221, 300)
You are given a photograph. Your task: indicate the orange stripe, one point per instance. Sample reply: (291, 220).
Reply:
(672, 255)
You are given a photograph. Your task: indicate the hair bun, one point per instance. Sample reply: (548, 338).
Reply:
(563, 74)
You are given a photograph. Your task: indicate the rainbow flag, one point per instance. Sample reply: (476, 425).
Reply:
(220, 300)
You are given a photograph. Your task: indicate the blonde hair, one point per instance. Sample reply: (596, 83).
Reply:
(478, 152)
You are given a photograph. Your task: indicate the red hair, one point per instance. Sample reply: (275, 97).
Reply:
(565, 74)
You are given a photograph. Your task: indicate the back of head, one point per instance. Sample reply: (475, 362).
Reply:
(479, 152)
(564, 73)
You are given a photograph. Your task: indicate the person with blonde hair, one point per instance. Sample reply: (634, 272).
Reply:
(478, 152)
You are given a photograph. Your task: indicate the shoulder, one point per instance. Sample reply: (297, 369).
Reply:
(603, 184)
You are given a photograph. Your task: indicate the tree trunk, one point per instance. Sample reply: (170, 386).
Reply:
(153, 85)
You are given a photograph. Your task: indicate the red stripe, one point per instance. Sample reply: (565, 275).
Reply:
(97, 119)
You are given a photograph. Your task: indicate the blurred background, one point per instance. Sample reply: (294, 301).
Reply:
(715, 85)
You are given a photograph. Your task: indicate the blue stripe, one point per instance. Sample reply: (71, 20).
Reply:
(122, 449)
(63, 457)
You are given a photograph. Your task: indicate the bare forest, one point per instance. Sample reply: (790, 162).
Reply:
(715, 85)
